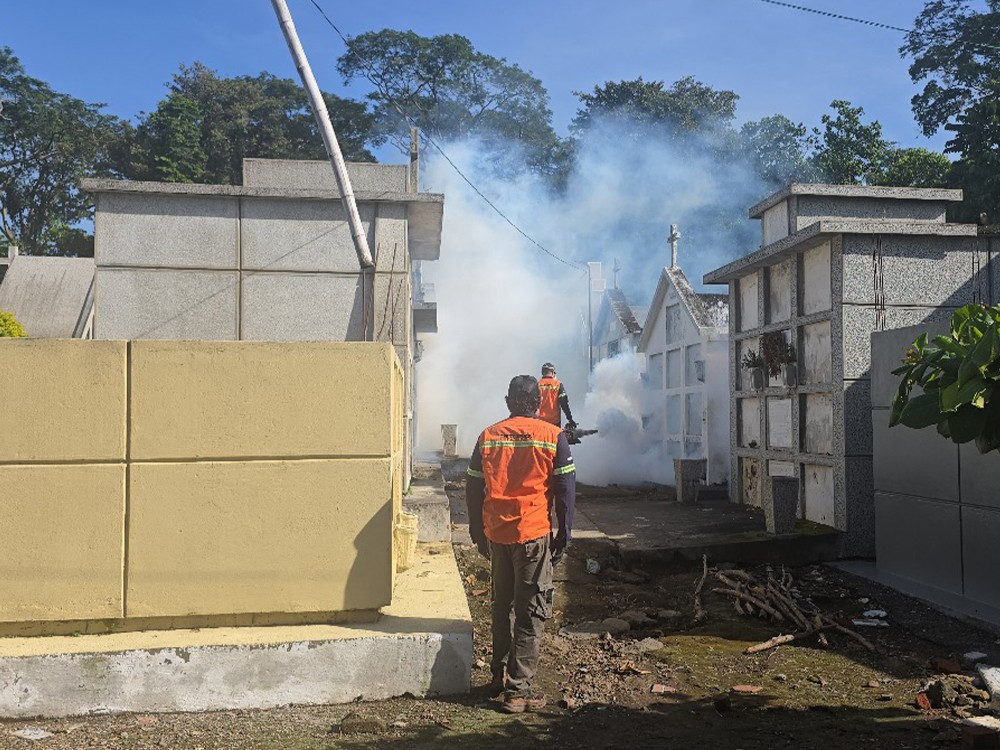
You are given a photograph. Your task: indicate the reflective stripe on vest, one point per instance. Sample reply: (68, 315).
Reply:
(548, 409)
(518, 456)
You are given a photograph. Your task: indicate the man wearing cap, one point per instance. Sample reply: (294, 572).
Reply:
(554, 398)
(520, 470)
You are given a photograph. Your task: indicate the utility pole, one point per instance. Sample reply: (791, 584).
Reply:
(326, 130)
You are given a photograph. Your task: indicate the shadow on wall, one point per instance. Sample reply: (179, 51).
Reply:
(376, 537)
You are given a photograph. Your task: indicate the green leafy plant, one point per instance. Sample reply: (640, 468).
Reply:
(959, 378)
(776, 352)
(9, 327)
(751, 360)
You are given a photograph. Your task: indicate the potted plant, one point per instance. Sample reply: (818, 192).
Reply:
(959, 378)
(753, 363)
(779, 356)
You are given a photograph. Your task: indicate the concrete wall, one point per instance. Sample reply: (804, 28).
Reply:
(212, 480)
(270, 261)
(937, 509)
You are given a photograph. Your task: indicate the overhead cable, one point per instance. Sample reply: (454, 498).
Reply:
(828, 14)
(866, 22)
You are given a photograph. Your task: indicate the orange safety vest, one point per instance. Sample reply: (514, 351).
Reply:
(518, 457)
(549, 407)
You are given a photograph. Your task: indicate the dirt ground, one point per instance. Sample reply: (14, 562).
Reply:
(609, 692)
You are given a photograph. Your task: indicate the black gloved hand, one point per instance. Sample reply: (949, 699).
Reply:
(484, 548)
(557, 546)
(571, 425)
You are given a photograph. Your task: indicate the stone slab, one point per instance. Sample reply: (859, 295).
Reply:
(919, 540)
(81, 506)
(210, 538)
(433, 511)
(980, 475)
(316, 174)
(980, 534)
(860, 322)
(898, 449)
(141, 303)
(421, 645)
(166, 231)
(227, 399)
(924, 271)
(888, 349)
(991, 678)
(283, 235)
(76, 406)
(306, 307)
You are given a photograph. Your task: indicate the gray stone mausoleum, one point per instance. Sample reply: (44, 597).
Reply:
(271, 260)
(836, 263)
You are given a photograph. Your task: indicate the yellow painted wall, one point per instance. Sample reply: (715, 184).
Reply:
(256, 477)
(222, 399)
(67, 400)
(61, 541)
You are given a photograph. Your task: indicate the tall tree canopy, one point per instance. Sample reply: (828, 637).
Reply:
(956, 54)
(48, 141)
(849, 151)
(779, 150)
(642, 107)
(450, 90)
(207, 125)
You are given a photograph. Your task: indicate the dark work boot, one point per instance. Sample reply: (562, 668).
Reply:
(521, 701)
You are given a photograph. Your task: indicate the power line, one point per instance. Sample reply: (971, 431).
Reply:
(837, 16)
(370, 76)
(865, 22)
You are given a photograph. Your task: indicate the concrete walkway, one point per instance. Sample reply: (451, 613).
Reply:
(647, 526)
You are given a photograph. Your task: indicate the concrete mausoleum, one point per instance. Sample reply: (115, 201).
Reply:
(205, 504)
(685, 342)
(836, 263)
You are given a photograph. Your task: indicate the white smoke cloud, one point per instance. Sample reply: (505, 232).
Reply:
(504, 306)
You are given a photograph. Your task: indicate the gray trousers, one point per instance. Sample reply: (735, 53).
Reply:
(522, 602)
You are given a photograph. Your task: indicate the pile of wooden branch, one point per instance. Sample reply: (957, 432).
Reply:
(773, 599)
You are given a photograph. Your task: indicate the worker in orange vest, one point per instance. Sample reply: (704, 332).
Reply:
(520, 470)
(554, 398)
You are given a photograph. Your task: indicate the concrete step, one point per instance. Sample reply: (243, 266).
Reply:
(421, 645)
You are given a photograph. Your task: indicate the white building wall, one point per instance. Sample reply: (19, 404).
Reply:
(687, 377)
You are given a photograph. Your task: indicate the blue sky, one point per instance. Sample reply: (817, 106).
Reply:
(778, 60)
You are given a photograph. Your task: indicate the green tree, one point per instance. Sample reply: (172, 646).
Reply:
(171, 141)
(955, 51)
(207, 125)
(977, 139)
(779, 150)
(48, 142)
(914, 167)
(451, 91)
(850, 152)
(641, 108)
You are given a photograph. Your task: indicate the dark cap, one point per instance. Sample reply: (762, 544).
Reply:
(523, 387)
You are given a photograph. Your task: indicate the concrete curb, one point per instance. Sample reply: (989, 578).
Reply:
(421, 645)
